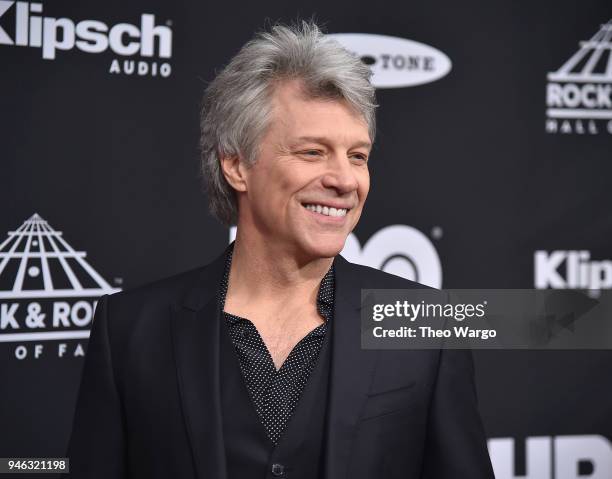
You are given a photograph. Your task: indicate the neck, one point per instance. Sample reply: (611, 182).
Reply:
(270, 271)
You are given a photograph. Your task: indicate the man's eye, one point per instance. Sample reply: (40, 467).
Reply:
(311, 152)
(360, 157)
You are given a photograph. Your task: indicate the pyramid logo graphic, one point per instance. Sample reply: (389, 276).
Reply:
(582, 88)
(45, 284)
(591, 63)
(51, 266)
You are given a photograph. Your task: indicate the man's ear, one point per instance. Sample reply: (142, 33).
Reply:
(235, 172)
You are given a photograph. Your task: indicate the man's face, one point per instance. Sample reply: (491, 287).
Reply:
(307, 189)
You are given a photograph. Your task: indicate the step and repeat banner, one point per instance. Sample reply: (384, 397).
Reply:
(492, 169)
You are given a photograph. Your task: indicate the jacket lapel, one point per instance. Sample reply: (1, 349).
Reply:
(196, 338)
(351, 370)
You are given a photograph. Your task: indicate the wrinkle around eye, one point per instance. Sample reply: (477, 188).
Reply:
(361, 158)
(310, 153)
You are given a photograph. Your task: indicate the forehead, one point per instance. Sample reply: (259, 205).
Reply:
(293, 111)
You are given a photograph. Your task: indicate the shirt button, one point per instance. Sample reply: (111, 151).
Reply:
(278, 469)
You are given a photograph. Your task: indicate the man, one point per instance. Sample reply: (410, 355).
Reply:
(251, 366)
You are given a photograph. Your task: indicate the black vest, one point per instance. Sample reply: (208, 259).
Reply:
(248, 450)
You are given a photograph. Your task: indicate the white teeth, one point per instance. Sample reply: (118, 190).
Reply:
(326, 210)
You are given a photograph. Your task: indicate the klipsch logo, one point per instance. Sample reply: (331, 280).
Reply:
(398, 249)
(579, 94)
(396, 62)
(571, 270)
(54, 35)
(48, 292)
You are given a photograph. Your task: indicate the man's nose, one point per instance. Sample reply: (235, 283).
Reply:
(340, 175)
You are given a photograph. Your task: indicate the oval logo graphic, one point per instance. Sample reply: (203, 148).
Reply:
(396, 62)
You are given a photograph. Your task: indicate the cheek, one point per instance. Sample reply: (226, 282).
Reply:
(275, 186)
(292, 178)
(265, 183)
(283, 183)
(364, 185)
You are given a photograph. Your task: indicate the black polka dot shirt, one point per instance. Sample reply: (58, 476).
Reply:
(275, 394)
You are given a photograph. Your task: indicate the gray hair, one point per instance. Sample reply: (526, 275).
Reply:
(237, 107)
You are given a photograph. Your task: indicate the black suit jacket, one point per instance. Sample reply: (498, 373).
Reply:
(149, 405)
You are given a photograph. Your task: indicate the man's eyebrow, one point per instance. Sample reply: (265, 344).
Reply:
(325, 141)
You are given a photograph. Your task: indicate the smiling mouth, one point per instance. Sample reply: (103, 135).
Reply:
(326, 210)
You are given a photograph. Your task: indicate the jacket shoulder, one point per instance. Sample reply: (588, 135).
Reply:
(168, 290)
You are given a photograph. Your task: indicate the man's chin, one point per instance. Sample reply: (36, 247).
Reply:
(325, 247)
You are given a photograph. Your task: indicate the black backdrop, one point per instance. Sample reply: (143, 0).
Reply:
(474, 161)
